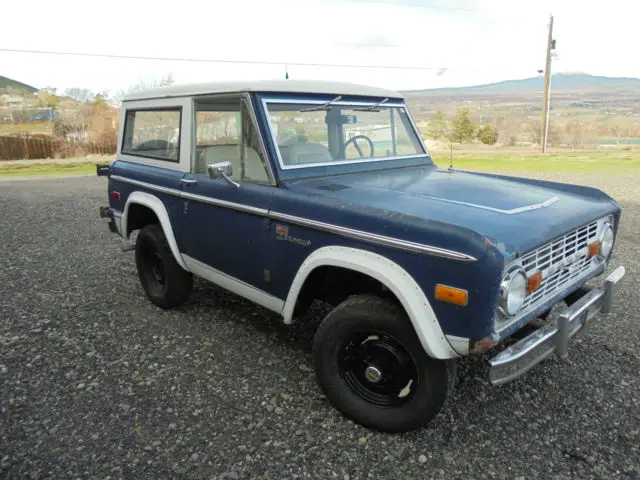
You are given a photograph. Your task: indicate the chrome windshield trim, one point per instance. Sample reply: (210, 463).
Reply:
(351, 162)
(416, 131)
(400, 105)
(192, 196)
(374, 238)
(343, 231)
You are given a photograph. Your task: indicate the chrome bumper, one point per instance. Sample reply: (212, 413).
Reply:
(520, 357)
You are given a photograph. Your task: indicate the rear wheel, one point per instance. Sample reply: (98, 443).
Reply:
(372, 367)
(163, 280)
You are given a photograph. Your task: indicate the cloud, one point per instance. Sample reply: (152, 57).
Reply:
(465, 41)
(369, 40)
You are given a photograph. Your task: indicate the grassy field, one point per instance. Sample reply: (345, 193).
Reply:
(49, 168)
(597, 162)
(616, 161)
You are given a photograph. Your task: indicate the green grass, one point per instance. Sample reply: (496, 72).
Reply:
(35, 168)
(595, 162)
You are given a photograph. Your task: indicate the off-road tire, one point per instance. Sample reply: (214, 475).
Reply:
(153, 255)
(364, 313)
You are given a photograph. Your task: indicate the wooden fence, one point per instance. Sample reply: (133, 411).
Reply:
(44, 146)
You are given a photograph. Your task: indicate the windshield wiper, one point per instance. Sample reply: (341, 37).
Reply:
(324, 106)
(372, 108)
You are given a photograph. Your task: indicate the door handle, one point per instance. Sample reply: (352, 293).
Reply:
(188, 181)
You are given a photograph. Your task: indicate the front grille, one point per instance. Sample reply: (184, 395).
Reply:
(562, 263)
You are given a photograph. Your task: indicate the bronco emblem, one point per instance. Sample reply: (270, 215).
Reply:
(282, 233)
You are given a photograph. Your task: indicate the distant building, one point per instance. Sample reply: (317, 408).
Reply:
(35, 115)
(12, 101)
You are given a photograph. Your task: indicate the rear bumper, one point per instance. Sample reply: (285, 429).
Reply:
(519, 358)
(114, 219)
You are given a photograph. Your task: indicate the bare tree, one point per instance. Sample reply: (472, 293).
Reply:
(619, 131)
(165, 81)
(79, 94)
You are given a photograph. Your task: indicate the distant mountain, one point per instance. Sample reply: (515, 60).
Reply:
(9, 83)
(561, 83)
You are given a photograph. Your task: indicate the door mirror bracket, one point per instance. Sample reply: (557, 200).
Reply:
(222, 170)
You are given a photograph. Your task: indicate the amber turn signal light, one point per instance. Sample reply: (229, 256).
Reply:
(594, 248)
(534, 282)
(453, 295)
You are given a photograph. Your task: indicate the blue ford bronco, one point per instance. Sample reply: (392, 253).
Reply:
(286, 192)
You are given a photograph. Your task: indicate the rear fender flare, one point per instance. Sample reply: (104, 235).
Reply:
(157, 206)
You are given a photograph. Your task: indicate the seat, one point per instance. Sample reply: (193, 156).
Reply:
(303, 153)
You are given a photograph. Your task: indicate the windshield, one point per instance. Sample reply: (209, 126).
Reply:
(320, 134)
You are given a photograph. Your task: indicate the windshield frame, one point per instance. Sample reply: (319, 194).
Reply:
(359, 103)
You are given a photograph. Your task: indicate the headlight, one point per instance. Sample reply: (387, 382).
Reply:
(606, 240)
(513, 291)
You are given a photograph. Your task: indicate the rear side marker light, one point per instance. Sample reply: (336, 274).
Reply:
(453, 295)
(594, 249)
(534, 282)
(115, 195)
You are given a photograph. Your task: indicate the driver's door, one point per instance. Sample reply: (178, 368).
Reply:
(225, 225)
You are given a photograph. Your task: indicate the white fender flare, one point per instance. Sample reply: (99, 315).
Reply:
(156, 205)
(392, 276)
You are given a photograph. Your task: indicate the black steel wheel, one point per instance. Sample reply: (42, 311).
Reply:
(372, 367)
(166, 283)
(152, 266)
(378, 368)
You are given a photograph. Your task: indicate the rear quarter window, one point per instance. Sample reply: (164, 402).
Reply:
(153, 133)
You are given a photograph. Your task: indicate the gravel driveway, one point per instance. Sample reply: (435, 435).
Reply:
(96, 382)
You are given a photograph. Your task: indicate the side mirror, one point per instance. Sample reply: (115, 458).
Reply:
(222, 170)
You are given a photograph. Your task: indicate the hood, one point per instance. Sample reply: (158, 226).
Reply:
(521, 214)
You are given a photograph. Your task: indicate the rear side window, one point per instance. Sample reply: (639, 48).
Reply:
(153, 133)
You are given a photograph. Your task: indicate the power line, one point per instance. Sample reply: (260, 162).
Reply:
(210, 60)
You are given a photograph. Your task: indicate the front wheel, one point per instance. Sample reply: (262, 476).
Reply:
(372, 367)
(163, 280)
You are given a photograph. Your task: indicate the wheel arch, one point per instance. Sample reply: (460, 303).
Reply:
(156, 206)
(397, 280)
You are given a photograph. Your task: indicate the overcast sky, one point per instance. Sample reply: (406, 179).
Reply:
(465, 41)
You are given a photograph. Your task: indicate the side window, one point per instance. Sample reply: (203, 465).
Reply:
(225, 132)
(255, 160)
(153, 133)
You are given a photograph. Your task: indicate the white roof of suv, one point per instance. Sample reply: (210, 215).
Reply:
(284, 86)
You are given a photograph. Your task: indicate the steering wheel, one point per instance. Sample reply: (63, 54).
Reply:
(354, 140)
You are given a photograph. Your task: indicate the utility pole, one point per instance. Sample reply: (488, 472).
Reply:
(547, 88)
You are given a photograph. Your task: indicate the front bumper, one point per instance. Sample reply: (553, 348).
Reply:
(520, 357)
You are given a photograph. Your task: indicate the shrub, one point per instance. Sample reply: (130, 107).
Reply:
(488, 135)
